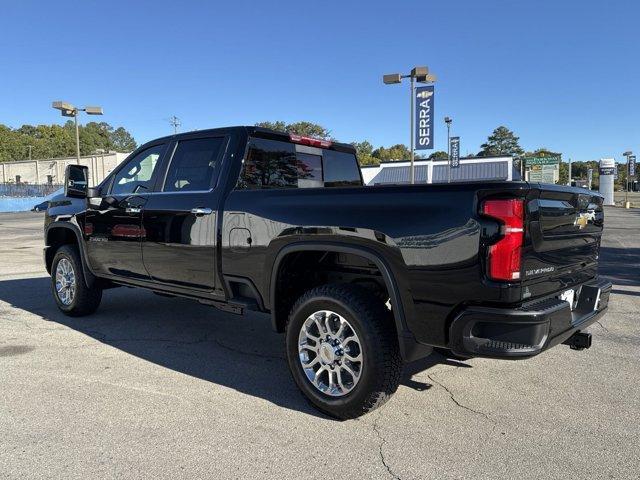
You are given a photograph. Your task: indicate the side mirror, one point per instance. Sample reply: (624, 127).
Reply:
(76, 181)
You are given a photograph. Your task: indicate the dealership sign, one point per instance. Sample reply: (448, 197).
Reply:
(454, 152)
(528, 161)
(632, 165)
(607, 166)
(424, 117)
(542, 169)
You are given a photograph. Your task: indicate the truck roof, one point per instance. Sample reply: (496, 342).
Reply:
(252, 129)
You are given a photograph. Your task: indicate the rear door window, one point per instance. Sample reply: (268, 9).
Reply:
(193, 165)
(269, 164)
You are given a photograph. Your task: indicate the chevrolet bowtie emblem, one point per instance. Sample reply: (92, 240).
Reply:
(581, 220)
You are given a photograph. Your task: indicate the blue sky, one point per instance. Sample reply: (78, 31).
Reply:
(562, 74)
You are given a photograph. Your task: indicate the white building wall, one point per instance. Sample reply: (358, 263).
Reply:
(38, 171)
(369, 172)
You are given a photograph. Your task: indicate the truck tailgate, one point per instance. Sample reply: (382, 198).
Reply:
(563, 230)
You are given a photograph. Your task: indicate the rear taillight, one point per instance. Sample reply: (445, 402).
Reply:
(504, 256)
(312, 142)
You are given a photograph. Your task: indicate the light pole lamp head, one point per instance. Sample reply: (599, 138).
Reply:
(626, 154)
(392, 78)
(419, 72)
(93, 110)
(448, 120)
(62, 106)
(66, 109)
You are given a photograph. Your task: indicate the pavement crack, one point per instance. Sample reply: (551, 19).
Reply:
(454, 400)
(383, 441)
(602, 326)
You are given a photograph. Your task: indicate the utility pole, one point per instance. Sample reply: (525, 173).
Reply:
(29, 147)
(175, 122)
(569, 180)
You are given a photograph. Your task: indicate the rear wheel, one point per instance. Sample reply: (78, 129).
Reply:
(342, 350)
(68, 285)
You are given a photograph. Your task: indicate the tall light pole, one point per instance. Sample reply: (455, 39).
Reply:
(626, 183)
(418, 74)
(68, 110)
(448, 121)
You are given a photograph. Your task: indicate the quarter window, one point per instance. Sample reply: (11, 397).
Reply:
(137, 173)
(340, 169)
(193, 165)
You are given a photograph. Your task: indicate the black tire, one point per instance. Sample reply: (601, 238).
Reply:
(85, 300)
(372, 322)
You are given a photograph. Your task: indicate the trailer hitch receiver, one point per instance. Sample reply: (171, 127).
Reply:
(578, 341)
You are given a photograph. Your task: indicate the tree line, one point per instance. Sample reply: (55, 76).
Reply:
(55, 141)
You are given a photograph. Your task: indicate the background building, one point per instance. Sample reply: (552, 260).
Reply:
(51, 171)
(436, 171)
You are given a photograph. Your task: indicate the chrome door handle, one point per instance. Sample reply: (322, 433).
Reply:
(133, 210)
(201, 211)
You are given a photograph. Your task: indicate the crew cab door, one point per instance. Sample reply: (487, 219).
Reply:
(113, 227)
(179, 219)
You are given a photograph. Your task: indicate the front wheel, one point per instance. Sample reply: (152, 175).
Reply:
(68, 285)
(342, 350)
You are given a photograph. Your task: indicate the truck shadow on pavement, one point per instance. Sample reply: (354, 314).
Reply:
(238, 352)
(620, 265)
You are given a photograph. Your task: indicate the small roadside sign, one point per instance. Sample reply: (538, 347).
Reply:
(454, 151)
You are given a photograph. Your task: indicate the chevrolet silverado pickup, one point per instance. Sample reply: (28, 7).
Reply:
(359, 279)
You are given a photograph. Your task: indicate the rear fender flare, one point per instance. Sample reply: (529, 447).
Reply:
(381, 264)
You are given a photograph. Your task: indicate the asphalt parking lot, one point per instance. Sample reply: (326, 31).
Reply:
(167, 388)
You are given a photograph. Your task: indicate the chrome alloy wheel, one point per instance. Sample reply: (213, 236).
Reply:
(65, 281)
(330, 353)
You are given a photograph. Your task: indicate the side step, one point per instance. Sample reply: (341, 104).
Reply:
(578, 341)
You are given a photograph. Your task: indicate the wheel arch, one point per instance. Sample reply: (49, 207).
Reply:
(64, 233)
(374, 257)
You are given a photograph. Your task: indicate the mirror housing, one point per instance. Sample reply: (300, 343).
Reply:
(76, 181)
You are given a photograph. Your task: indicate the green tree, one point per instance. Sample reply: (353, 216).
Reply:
(54, 141)
(439, 155)
(301, 128)
(542, 153)
(122, 140)
(393, 153)
(501, 142)
(564, 173)
(364, 152)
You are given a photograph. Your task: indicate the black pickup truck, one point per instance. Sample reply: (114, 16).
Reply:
(360, 279)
